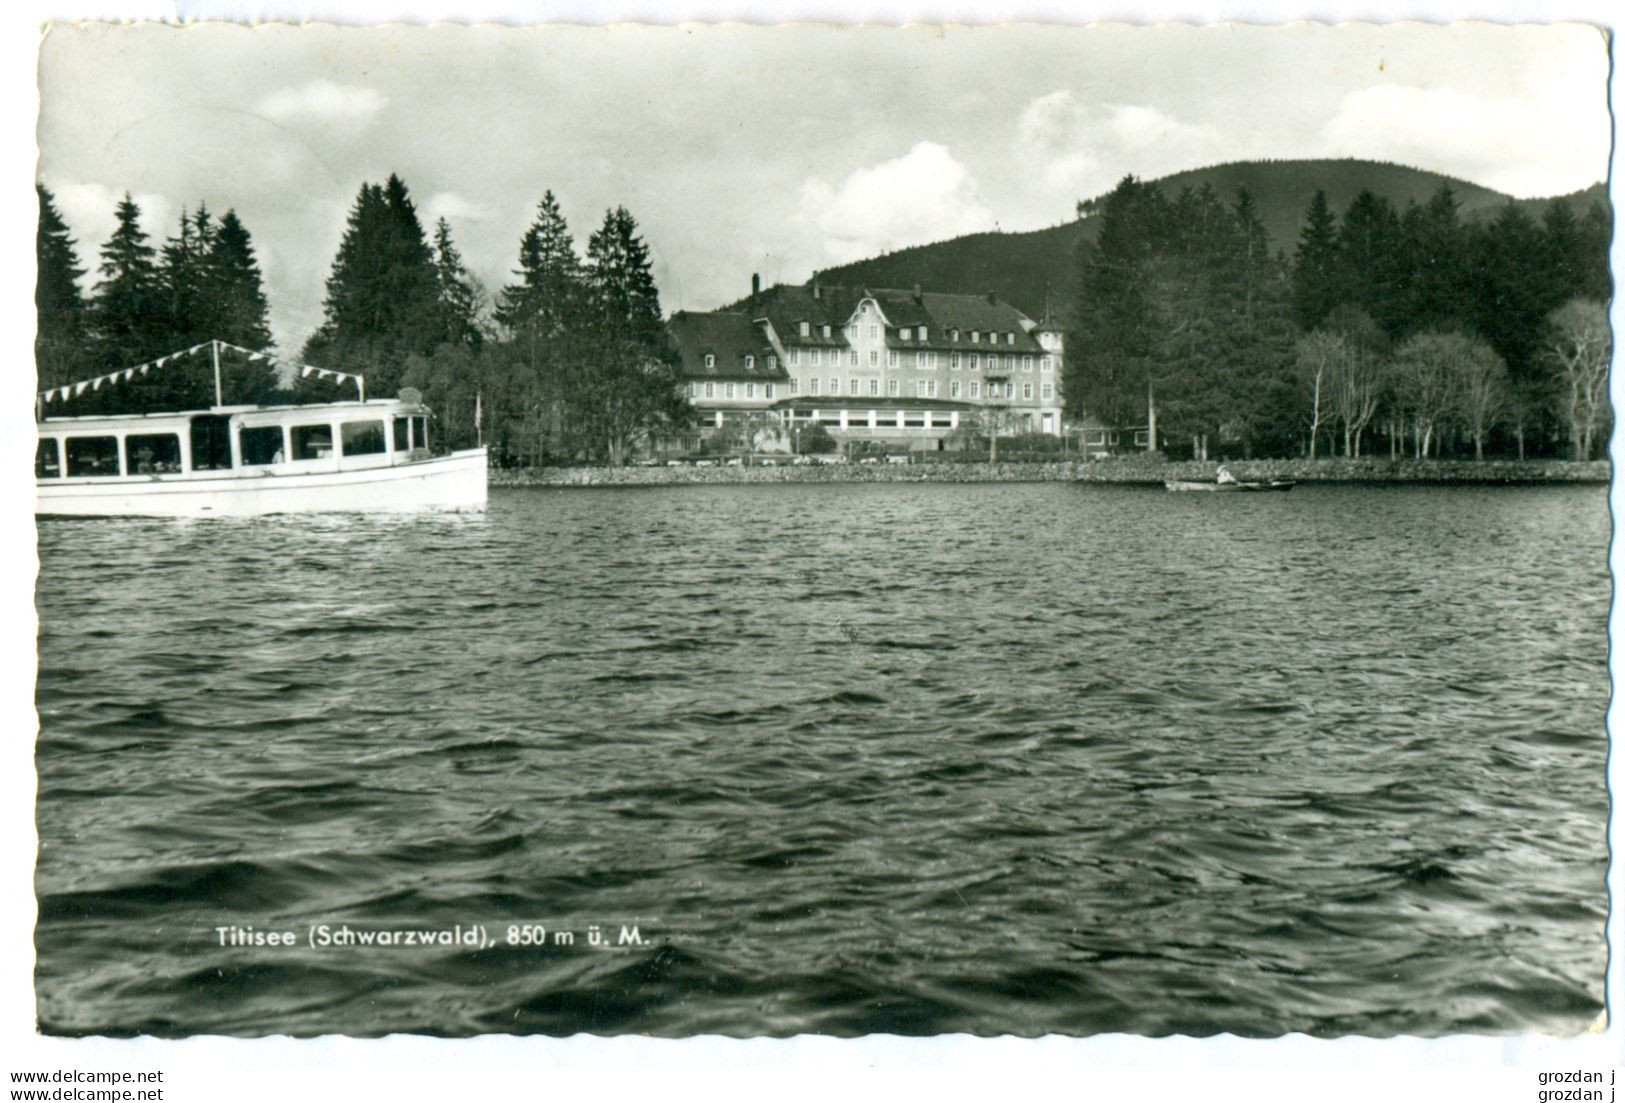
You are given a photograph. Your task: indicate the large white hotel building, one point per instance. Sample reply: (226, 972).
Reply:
(894, 366)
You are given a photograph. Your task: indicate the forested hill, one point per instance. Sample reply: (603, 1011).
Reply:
(1019, 267)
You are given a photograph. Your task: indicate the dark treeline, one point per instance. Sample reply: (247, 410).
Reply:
(147, 302)
(1413, 331)
(570, 362)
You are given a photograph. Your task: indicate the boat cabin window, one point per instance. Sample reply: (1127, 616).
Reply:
(411, 434)
(211, 443)
(362, 438)
(152, 453)
(312, 442)
(261, 444)
(92, 456)
(48, 459)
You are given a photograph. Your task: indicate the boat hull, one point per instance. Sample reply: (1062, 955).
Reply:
(453, 483)
(1221, 488)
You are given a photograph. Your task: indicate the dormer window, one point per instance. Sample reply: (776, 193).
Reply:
(922, 333)
(903, 334)
(710, 360)
(953, 335)
(975, 336)
(806, 329)
(772, 363)
(1009, 338)
(750, 363)
(826, 331)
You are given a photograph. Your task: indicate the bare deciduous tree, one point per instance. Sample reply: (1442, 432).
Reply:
(1481, 391)
(1579, 346)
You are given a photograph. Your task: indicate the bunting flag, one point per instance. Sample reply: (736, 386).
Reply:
(124, 375)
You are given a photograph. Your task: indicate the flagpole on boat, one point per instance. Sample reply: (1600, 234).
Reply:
(214, 349)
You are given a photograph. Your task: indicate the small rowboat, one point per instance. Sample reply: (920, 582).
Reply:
(1209, 484)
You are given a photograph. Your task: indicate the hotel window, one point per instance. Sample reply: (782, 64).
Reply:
(750, 363)
(826, 331)
(1096, 437)
(1009, 338)
(750, 390)
(923, 336)
(975, 336)
(817, 357)
(976, 388)
(931, 388)
(874, 386)
(919, 388)
(874, 358)
(694, 390)
(854, 355)
(1026, 390)
(975, 361)
(854, 386)
(1048, 391)
(813, 383)
(805, 329)
(767, 390)
(891, 358)
(795, 356)
(874, 330)
(731, 390)
(919, 359)
(1027, 363)
(892, 387)
(710, 360)
(1010, 362)
(710, 390)
(795, 385)
(953, 388)
(902, 334)
(834, 385)
(772, 363)
(953, 360)
(1046, 364)
(864, 309)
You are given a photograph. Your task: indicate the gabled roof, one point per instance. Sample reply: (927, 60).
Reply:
(738, 347)
(786, 306)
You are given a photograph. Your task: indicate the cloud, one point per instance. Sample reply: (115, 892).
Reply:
(1081, 149)
(925, 195)
(1527, 145)
(90, 211)
(453, 208)
(345, 105)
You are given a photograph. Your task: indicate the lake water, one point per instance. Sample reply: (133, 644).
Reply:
(882, 758)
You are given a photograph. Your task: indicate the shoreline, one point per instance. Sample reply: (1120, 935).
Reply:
(1125, 472)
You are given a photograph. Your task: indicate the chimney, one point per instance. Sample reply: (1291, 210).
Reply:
(755, 285)
(992, 299)
(917, 296)
(815, 287)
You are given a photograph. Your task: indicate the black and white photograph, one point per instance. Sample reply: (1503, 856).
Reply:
(761, 531)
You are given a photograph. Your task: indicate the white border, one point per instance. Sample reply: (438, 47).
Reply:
(409, 1069)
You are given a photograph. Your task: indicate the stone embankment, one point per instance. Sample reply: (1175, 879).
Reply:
(1133, 470)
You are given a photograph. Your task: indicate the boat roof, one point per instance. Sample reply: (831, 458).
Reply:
(291, 411)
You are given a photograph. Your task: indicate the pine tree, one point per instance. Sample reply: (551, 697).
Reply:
(1367, 275)
(1314, 268)
(457, 292)
(127, 306)
(383, 292)
(235, 300)
(60, 344)
(628, 386)
(549, 286)
(183, 279)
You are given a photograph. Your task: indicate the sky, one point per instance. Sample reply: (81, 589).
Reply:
(772, 150)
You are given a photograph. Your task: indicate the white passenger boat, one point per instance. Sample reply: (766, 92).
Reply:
(363, 456)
